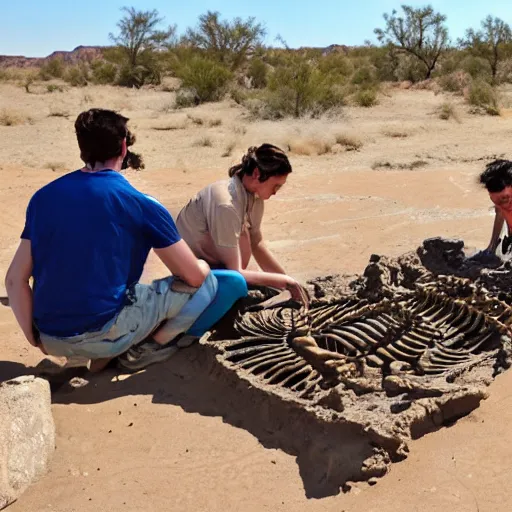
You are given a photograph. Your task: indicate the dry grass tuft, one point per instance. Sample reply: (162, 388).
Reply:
(396, 133)
(199, 121)
(410, 166)
(58, 112)
(87, 99)
(448, 111)
(170, 126)
(55, 166)
(205, 142)
(239, 129)
(349, 141)
(309, 146)
(215, 122)
(229, 149)
(12, 118)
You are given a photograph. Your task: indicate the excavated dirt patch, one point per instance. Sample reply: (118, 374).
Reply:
(376, 361)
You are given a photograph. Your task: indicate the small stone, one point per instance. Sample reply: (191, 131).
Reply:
(131, 424)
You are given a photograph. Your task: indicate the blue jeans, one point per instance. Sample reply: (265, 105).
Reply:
(155, 306)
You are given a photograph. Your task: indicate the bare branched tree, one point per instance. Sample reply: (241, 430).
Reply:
(137, 43)
(419, 32)
(229, 42)
(491, 43)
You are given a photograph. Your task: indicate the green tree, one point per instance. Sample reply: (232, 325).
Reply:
(491, 43)
(229, 42)
(419, 32)
(137, 45)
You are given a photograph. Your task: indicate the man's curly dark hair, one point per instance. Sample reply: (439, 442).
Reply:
(100, 134)
(497, 175)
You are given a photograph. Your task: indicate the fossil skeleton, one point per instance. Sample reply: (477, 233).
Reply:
(408, 346)
(437, 325)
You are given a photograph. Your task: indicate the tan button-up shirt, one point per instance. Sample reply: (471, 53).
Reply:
(217, 215)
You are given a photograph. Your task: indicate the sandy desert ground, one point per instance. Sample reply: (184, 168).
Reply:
(165, 439)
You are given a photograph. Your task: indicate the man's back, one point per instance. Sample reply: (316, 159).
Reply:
(90, 236)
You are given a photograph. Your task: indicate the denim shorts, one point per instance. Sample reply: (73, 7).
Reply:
(148, 307)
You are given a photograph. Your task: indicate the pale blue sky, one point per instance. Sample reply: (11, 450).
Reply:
(35, 28)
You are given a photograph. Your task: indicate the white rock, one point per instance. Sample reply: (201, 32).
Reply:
(27, 434)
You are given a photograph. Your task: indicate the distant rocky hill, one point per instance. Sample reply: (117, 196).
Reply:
(79, 54)
(335, 48)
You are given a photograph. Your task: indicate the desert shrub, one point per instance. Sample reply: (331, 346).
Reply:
(208, 79)
(186, 98)
(447, 111)
(449, 62)
(309, 146)
(298, 88)
(103, 72)
(385, 61)
(52, 68)
(257, 73)
(364, 77)
(76, 76)
(238, 95)
(348, 141)
(336, 65)
(477, 67)
(409, 68)
(13, 74)
(455, 82)
(136, 76)
(483, 96)
(10, 117)
(28, 81)
(54, 88)
(366, 97)
(505, 71)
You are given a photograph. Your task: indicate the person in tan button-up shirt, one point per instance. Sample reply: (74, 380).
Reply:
(222, 223)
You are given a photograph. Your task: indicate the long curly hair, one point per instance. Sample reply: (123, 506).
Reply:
(269, 159)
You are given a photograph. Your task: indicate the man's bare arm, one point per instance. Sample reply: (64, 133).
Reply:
(19, 291)
(182, 262)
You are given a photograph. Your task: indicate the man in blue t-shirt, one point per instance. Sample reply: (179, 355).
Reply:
(85, 242)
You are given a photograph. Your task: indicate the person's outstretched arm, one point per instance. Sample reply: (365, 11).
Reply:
(496, 231)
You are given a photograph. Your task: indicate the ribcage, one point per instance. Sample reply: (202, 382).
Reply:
(421, 332)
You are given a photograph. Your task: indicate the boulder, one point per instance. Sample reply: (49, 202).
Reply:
(27, 434)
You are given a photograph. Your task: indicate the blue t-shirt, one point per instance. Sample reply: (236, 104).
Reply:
(90, 235)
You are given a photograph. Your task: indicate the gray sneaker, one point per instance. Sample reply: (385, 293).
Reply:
(186, 340)
(145, 354)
